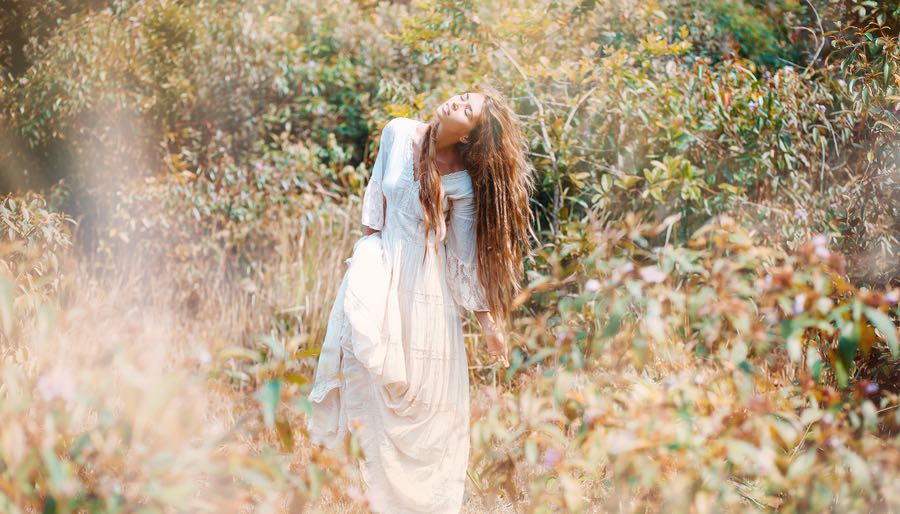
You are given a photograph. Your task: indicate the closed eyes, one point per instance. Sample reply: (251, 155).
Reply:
(465, 97)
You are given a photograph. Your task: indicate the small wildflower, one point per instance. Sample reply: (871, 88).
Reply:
(592, 413)
(752, 106)
(621, 271)
(203, 357)
(800, 214)
(668, 382)
(828, 418)
(833, 441)
(820, 107)
(258, 165)
(552, 456)
(820, 244)
(652, 274)
(57, 383)
(892, 297)
(592, 285)
(824, 304)
(799, 303)
(698, 379)
(871, 388)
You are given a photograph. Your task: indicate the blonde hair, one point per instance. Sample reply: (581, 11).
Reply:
(502, 176)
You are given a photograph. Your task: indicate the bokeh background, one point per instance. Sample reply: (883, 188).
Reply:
(708, 322)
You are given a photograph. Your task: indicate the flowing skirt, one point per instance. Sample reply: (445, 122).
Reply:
(393, 372)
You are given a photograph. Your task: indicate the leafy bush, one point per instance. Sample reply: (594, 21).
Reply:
(706, 375)
(34, 245)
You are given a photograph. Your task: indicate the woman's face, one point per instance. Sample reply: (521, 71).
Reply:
(460, 113)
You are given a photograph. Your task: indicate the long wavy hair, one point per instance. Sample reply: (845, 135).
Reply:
(496, 157)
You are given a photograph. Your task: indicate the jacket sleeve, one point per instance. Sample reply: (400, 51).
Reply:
(462, 273)
(373, 198)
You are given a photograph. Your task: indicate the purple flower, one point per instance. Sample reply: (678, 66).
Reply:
(871, 388)
(828, 418)
(892, 297)
(800, 213)
(552, 456)
(752, 106)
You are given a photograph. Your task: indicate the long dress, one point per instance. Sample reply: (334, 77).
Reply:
(393, 369)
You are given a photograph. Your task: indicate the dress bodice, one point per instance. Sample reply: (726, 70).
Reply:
(391, 204)
(405, 214)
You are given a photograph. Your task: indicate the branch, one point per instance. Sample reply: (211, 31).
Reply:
(534, 99)
(821, 42)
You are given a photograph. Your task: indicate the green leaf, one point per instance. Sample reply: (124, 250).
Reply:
(802, 464)
(859, 469)
(848, 344)
(268, 396)
(7, 308)
(884, 325)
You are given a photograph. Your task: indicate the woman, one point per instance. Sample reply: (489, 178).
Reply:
(446, 223)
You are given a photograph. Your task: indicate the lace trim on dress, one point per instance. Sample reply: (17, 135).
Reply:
(465, 285)
(373, 205)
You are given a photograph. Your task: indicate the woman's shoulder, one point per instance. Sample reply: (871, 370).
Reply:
(401, 123)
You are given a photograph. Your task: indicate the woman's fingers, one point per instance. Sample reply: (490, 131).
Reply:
(498, 350)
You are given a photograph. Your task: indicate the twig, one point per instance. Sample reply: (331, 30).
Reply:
(576, 106)
(820, 42)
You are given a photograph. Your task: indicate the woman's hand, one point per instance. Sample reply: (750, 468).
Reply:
(496, 343)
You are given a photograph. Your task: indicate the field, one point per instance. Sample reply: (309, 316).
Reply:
(708, 321)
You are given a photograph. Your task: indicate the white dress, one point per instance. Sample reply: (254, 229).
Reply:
(393, 369)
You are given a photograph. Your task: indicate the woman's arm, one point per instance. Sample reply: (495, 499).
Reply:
(462, 274)
(367, 230)
(374, 205)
